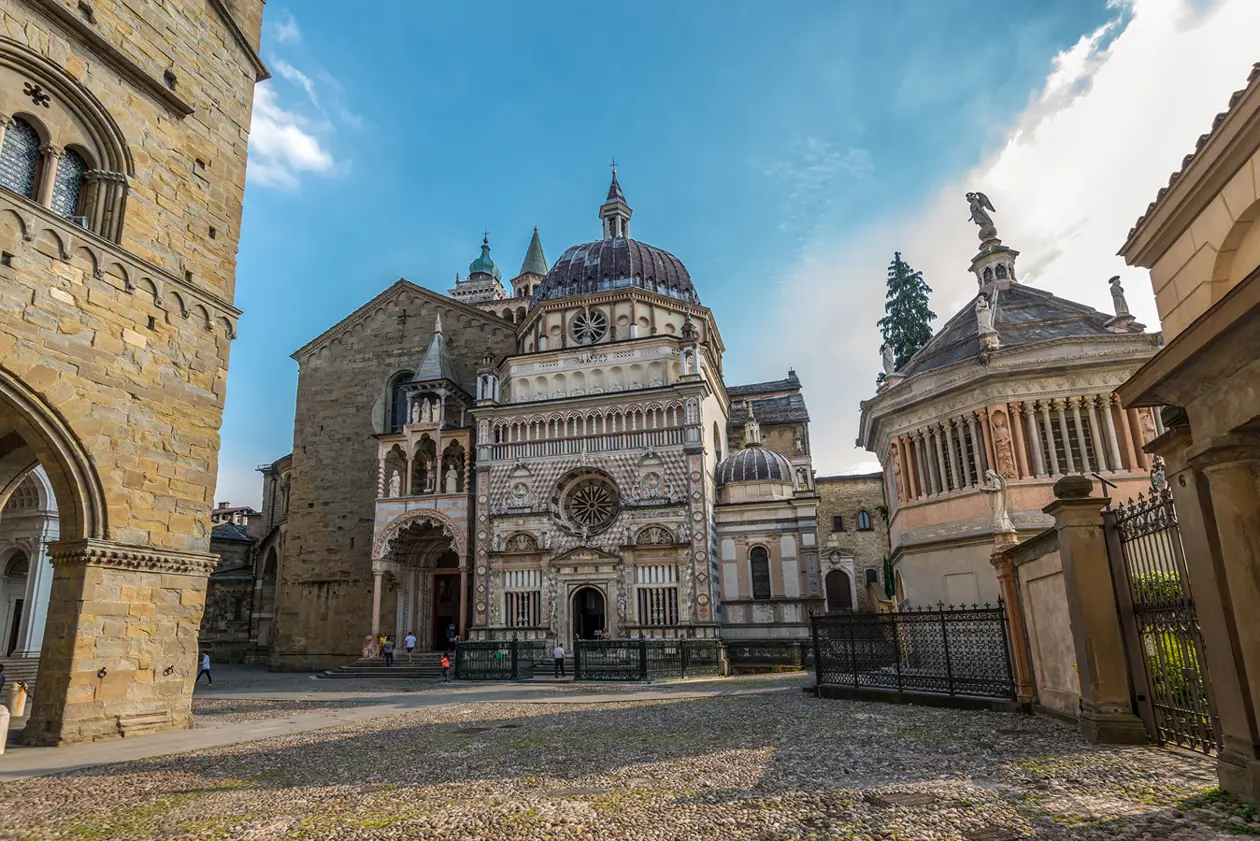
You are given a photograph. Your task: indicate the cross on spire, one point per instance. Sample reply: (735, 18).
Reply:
(614, 165)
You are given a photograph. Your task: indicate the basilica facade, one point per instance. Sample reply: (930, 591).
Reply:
(553, 461)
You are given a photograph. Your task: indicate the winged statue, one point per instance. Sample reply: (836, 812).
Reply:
(980, 209)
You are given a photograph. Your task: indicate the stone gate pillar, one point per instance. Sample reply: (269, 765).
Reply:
(1102, 664)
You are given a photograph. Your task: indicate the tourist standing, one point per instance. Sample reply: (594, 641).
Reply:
(410, 643)
(446, 668)
(205, 669)
(388, 650)
(557, 655)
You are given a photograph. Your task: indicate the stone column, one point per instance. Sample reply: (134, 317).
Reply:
(1075, 403)
(977, 447)
(960, 426)
(948, 435)
(1091, 416)
(38, 585)
(376, 603)
(1034, 438)
(1102, 665)
(918, 462)
(1139, 438)
(1231, 464)
(48, 173)
(1017, 432)
(1113, 448)
(1045, 424)
(463, 598)
(1025, 687)
(5, 122)
(1059, 411)
(942, 484)
(1130, 445)
(990, 457)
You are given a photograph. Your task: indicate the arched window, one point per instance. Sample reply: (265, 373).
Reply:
(759, 570)
(864, 521)
(67, 192)
(398, 401)
(19, 158)
(1001, 272)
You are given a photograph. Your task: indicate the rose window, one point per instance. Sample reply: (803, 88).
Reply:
(589, 326)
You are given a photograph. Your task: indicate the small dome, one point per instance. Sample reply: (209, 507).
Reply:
(754, 463)
(483, 264)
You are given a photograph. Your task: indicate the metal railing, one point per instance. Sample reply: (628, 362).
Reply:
(645, 659)
(945, 651)
(633, 440)
(499, 659)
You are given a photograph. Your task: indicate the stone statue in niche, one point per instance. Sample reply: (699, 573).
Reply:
(495, 543)
(890, 358)
(684, 531)
(995, 487)
(426, 413)
(395, 484)
(547, 539)
(1117, 297)
(452, 480)
(1146, 421)
(1005, 452)
(625, 535)
(800, 443)
(984, 315)
(415, 412)
(429, 473)
(980, 206)
(896, 470)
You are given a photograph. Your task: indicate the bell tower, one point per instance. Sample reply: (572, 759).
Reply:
(614, 212)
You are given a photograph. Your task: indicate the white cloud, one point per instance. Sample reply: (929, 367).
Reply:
(807, 177)
(1114, 117)
(285, 30)
(280, 144)
(296, 76)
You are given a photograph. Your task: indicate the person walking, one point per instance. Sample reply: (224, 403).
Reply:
(557, 655)
(409, 642)
(446, 668)
(205, 669)
(388, 650)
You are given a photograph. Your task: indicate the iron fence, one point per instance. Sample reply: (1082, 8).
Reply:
(499, 659)
(645, 659)
(1161, 623)
(946, 651)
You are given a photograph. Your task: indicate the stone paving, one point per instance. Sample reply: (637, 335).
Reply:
(744, 764)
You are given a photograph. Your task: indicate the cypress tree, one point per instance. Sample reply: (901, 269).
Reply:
(906, 325)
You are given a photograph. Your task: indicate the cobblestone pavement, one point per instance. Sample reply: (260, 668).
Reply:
(760, 767)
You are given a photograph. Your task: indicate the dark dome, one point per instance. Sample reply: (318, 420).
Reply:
(616, 263)
(754, 464)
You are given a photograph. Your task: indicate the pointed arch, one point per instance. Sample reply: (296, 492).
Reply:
(383, 542)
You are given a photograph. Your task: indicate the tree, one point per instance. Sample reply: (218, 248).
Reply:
(907, 324)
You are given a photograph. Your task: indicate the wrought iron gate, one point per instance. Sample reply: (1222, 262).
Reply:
(1161, 626)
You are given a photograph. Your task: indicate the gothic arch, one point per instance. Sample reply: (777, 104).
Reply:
(77, 488)
(452, 530)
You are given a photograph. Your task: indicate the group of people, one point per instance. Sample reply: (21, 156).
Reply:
(386, 644)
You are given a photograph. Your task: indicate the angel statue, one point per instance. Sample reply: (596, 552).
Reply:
(980, 207)
(890, 358)
(995, 487)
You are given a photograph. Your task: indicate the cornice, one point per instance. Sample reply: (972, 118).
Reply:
(113, 56)
(613, 296)
(104, 553)
(261, 73)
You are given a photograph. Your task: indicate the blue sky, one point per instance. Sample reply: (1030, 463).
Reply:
(751, 139)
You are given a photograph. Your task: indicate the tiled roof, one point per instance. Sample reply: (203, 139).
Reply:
(1198, 146)
(618, 263)
(1023, 316)
(754, 464)
(790, 409)
(230, 532)
(792, 382)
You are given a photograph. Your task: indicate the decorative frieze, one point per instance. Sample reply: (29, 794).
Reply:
(104, 553)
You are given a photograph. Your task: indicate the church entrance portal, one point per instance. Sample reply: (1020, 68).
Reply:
(588, 613)
(445, 609)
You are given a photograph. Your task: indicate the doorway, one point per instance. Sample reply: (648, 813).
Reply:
(839, 592)
(445, 609)
(588, 613)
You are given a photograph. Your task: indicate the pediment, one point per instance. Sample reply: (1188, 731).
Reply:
(585, 555)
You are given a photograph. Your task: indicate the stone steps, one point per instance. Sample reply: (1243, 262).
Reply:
(427, 666)
(22, 668)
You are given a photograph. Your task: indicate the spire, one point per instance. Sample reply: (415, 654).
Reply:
(436, 364)
(615, 213)
(752, 429)
(485, 264)
(534, 262)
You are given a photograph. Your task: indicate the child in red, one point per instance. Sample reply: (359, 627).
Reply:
(446, 665)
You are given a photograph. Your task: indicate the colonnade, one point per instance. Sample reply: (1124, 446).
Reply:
(1028, 439)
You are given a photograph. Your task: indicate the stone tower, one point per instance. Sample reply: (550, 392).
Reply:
(124, 133)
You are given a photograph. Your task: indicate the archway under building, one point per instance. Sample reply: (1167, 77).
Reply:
(589, 613)
(839, 592)
(431, 589)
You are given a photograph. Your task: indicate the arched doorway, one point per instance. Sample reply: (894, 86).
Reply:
(839, 592)
(431, 586)
(588, 613)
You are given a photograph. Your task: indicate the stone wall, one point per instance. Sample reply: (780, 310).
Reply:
(325, 589)
(114, 340)
(226, 625)
(845, 496)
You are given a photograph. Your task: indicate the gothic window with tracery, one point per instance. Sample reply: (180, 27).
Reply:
(522, 543)
(589, 326)
(67, 192)
(654, 536)
(19, 158)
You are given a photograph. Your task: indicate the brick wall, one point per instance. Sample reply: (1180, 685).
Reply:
(845, 496)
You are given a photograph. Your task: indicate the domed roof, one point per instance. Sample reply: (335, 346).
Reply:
(754, 463)
(616, 263)
(483, 264)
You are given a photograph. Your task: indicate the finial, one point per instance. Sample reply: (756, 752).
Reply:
(752, 429)
(485, 237)
(613, 165)
(980, 206)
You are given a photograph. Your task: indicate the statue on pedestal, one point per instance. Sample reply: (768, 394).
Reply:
(395, 484)
(415, 413)
(890, 358)
(980, 205)
(1117, 296)
(452, 480)
(995, 487)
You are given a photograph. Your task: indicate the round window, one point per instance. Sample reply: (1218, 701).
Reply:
(588, 504)
(589, 326)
